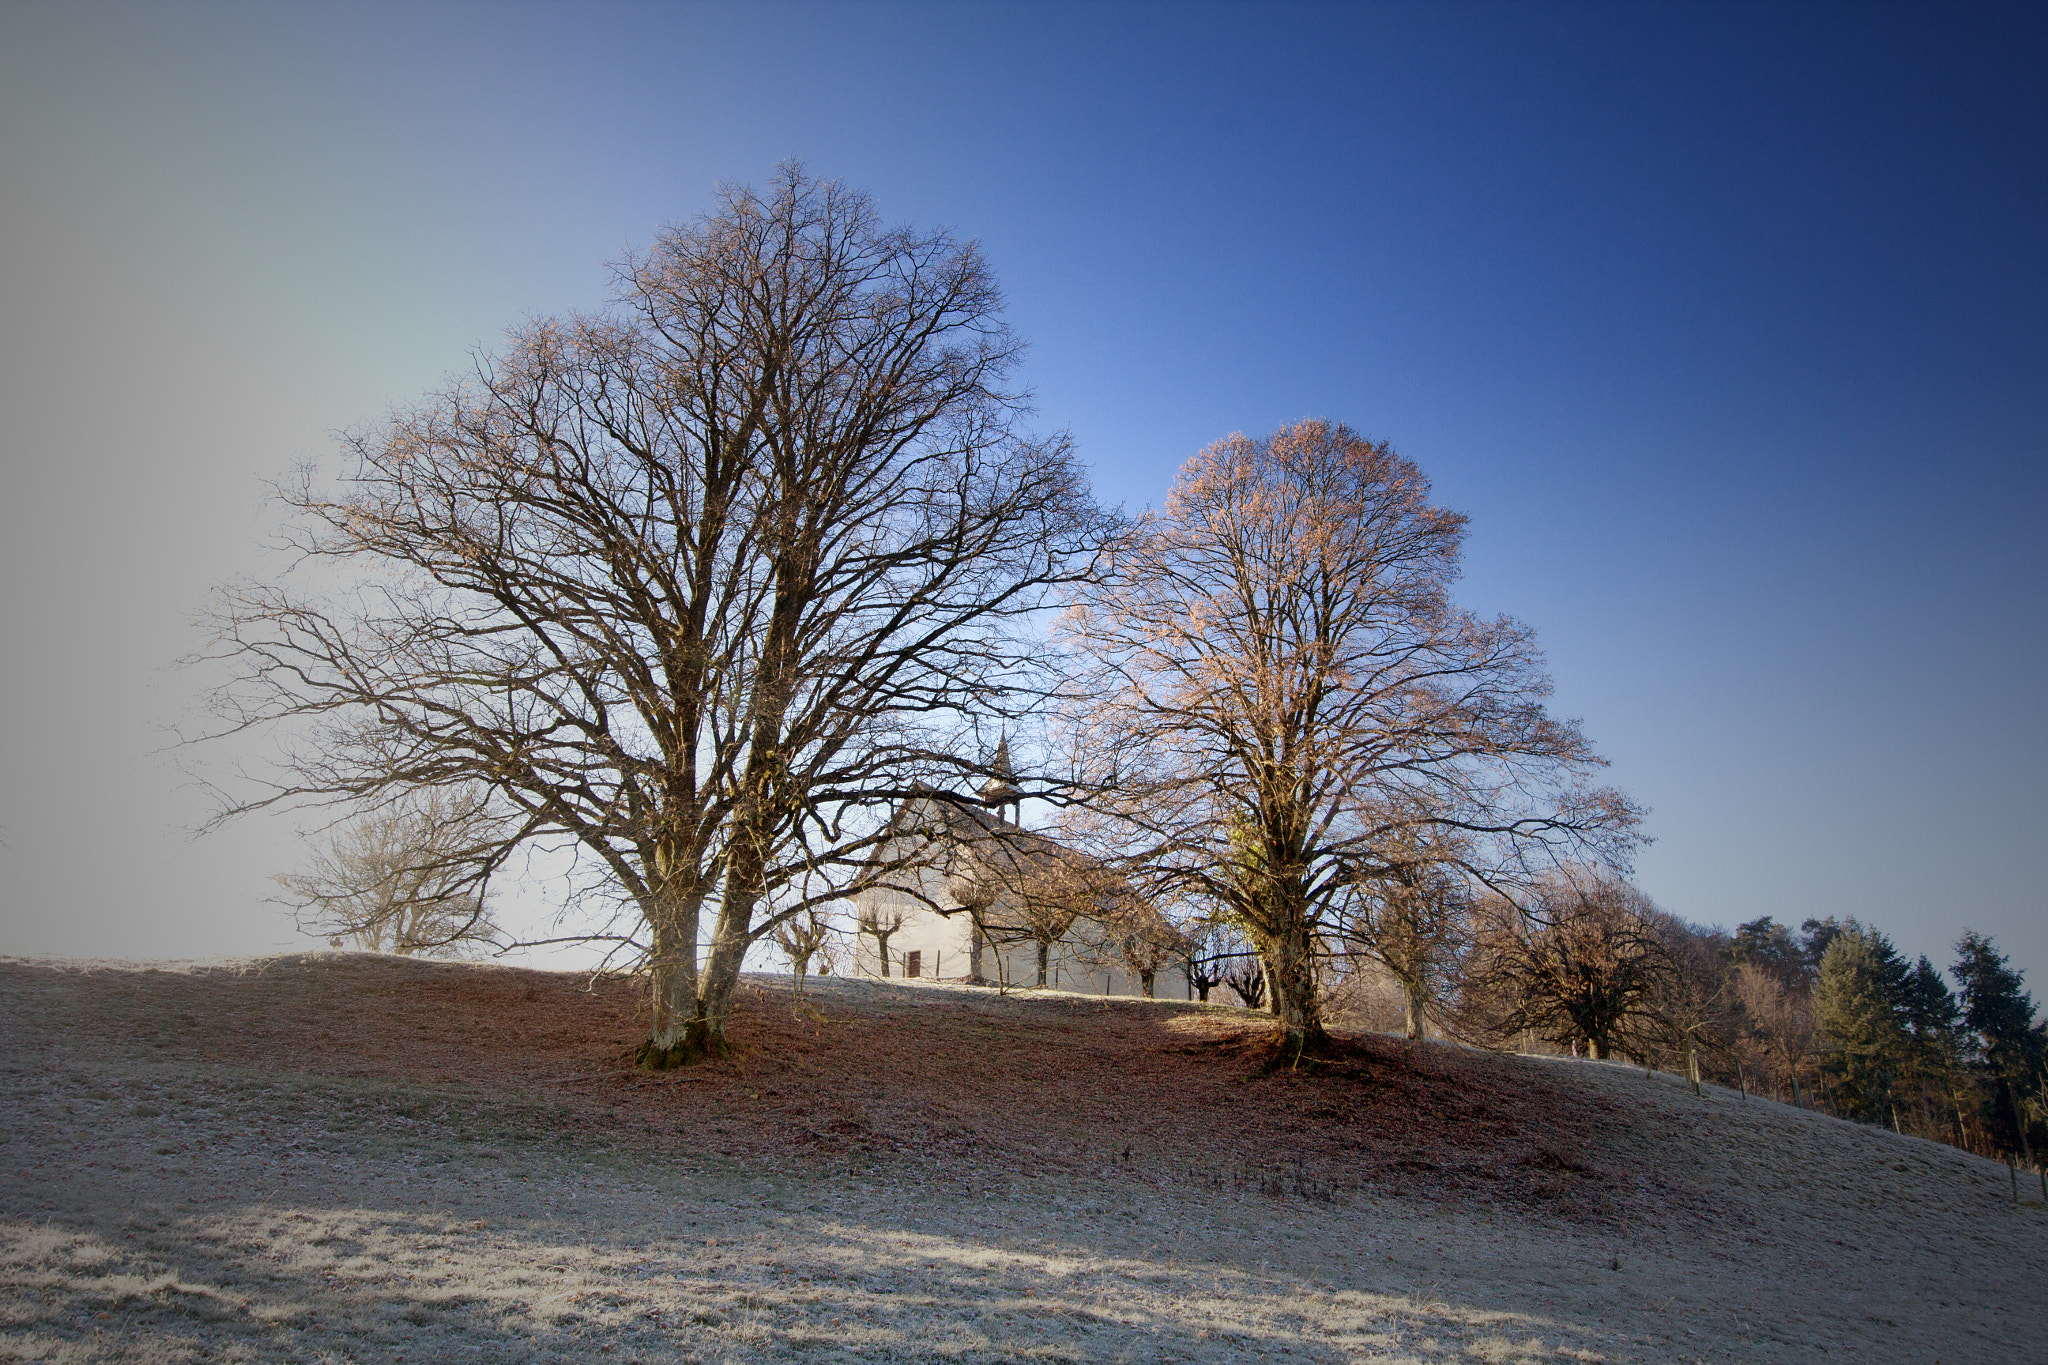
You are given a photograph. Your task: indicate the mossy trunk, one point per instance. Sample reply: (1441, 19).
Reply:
(702, 1034)
(672, 990)
(1293, 980)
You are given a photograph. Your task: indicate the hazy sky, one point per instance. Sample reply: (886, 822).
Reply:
(1728, 326)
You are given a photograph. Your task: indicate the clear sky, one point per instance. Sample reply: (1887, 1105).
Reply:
(1727, 325)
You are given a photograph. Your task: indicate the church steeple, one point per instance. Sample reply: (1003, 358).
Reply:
(1001, 790)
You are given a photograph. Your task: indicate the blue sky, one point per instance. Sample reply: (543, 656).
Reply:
(1723, 323)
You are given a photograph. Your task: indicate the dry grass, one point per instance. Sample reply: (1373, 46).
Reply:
(338, 1157)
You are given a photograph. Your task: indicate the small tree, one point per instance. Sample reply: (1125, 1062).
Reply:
(807, 936)
(1778, 1019)
(1041, 893)
(1583, 962)
(880, 924)
(410, 878)
(1210, 949)
(1146, 944)
(1414, 919)
(1246, 978)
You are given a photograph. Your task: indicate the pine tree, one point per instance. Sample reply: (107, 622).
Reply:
(1769, 946)
(1933, 1019)
(2009, 1050)
(1860, 1005)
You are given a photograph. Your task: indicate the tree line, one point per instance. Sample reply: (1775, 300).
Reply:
(1829, 1016)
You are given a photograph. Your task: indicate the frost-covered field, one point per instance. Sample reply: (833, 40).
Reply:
(341, 1158)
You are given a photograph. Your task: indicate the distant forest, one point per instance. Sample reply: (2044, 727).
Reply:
(1829, 1016)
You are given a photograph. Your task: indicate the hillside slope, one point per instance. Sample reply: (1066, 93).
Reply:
(334, 1157)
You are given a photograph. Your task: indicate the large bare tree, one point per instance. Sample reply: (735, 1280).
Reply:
(1285, 697)
(702, 583)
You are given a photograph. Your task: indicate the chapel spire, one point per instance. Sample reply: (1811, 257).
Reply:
(1001, 789)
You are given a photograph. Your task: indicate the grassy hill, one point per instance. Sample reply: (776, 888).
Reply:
(344, 1157)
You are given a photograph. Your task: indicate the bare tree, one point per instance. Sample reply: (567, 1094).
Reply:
(1209, 955)
(1247, 981)
(1018, 888)
(1146, 943)
(880, 925)
(1286, 692)
(1692, 1007)
(408, 878)
(1414, 920)
(703, 584)
(1046, 922)
(1584, 961)
(803, 938)
(1780, 1025)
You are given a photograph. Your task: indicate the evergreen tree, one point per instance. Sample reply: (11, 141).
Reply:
(1931, 1010)
(1860, 1006)
(2008, 1049)
(1933, 1020)
(1769, 946)
(1814, 937)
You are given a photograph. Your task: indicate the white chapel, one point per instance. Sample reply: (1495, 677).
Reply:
(964, 893)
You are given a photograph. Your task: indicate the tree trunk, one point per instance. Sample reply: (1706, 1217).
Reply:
(1596, 1048)
(672, 974)
(1146, 978)
(1292, 978)
(722, 977)
(882, 951)
(706, 1035)
(2012, 1099)
(1044, 949)
(1413, 1019)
